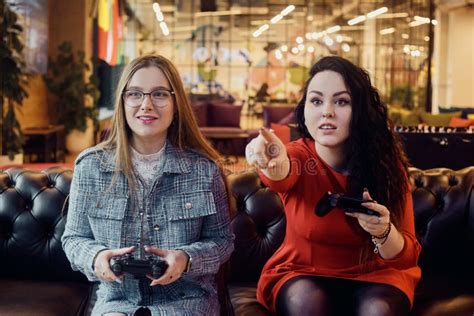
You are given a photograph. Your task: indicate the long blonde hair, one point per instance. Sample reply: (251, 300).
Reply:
(183, 132)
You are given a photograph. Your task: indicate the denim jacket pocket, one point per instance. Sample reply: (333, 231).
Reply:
(106, 217)
(190, 205)
(185, 214)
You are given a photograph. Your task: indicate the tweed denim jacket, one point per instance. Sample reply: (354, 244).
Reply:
(189, 205)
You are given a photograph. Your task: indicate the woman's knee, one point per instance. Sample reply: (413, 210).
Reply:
(374, 306)
(381, 300)
(302, 297)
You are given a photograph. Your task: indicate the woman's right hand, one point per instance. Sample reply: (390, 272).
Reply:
(268, 153)
(102, 263)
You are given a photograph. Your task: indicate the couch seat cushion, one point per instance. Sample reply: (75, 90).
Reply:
(439, 119)
(42, 298)
(244, 300)
(223, 114)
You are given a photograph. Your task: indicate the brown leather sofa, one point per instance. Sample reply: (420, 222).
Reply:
(444, 219)
(36, 278)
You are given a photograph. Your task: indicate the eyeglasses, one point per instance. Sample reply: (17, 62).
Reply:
(159, 97)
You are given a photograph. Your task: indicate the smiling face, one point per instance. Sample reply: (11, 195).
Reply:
(149, 123)
(328, 111)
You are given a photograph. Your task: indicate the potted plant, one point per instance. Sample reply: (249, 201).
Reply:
(76, 93)
(12, 91)
(402, 96)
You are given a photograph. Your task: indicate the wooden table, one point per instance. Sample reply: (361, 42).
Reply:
(44, 144)
(223, 139)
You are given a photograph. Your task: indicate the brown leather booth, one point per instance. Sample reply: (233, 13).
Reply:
(444, 219)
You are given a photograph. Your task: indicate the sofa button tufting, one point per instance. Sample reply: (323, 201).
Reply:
(419, 182)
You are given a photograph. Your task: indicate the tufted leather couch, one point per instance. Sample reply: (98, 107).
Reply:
(36, 278)
(444, 219)
(35, 275)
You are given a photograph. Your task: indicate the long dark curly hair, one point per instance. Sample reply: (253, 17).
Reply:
(375, 156)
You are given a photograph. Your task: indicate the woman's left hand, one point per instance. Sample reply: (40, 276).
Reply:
(374, 225)
(177, 261)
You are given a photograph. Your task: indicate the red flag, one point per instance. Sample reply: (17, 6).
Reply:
(110, 31)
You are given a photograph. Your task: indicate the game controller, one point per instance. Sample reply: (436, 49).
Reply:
(151, 265)
(349, 204)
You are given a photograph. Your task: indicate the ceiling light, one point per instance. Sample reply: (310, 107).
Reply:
(421, 19)
(328, 41)
(360, 18)
(346, 48)
(300, 47)
(405, 36)
(416, 23)
(284, 48)
(299, 40)
(393, 15)
(164, 28)
(310, 49)
(386, 31)
(287, 10)
(427, 38)
(333, 29)
(339, 38)
(156, 7)
(295, 50)
(434, 22)
(374, 13)
(278, 54)
(276, 18)
(159, 16)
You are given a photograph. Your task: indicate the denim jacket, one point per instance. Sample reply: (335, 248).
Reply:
(188, 209)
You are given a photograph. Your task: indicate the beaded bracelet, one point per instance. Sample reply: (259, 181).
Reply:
(376, 239)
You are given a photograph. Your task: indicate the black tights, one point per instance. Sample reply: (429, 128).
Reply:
(310, 295)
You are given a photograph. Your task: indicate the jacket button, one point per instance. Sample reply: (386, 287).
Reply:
(188, 205)
(156, 227)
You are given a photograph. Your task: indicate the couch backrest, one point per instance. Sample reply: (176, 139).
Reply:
(32, 223)
(444, 222)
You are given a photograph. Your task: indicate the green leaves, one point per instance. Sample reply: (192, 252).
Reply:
(67, 79)
(13, 79)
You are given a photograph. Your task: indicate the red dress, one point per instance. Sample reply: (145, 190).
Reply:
(329, 246)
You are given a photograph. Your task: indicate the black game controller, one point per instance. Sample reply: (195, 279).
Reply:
(153, 266)
(349, 204)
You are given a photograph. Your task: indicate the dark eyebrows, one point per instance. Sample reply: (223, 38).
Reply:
(334, 95)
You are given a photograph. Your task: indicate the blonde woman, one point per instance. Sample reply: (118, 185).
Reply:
(152, 189)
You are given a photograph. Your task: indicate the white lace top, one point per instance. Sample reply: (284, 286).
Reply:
(148, 166)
